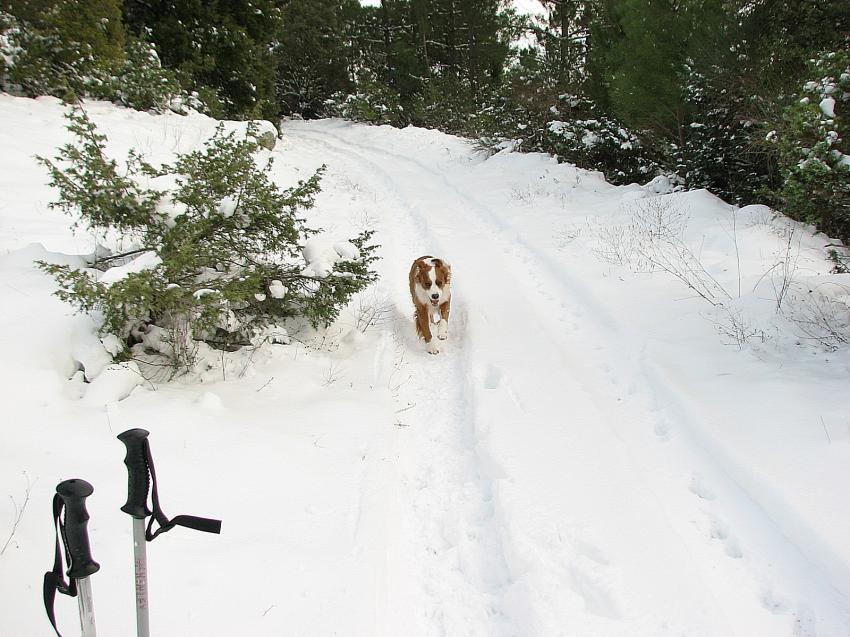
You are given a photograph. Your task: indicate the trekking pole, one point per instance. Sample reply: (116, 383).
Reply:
(71, 496)
(137, 508)
(141, 477)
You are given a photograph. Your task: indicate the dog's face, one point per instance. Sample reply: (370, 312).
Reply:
(433, 277)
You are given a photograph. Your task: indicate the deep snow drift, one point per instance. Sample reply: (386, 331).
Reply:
(621, 437)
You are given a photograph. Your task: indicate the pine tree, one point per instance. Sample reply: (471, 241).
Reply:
(464, 46)
(813, 143)
(314, 55)
(564, 39)
(220, 49)
(79, 49)
(388, 77)
(220, 255)
(640, 55)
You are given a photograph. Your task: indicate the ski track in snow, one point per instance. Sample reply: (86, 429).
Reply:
(447, 504)
(482, 435)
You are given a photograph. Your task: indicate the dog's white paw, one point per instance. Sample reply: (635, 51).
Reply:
(432, 348)
(443, 336)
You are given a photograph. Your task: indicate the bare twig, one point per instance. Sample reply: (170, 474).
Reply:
(826, 431)
(333, 374)
(823, 318)
(18, 513)
(652, 241)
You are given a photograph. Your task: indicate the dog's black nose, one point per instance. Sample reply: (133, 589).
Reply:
(435, 296)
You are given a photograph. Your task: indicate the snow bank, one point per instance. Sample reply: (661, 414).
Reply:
(322, 253)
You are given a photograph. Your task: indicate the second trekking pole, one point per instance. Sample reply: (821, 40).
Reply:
(142, 479)
(137, 508)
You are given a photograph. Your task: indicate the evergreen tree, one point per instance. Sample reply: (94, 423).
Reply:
(464, 40)
(93, 24)
(388, 45)
(464, 47)
(314, 54)
(814, 147)
(97, 23)
(564, 37)
(220, 257)
(220, 49)
(71, 41)
(78, 49)
(641, 52)
(779, 39)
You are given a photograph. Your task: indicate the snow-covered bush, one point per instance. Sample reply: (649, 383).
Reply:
(37, 62)
(448, 104)
(597, 142)
(141, 82)
(47, 61)
(374, 102)
(215, 250)
(534, 118)
(721, 149)
(814, 149)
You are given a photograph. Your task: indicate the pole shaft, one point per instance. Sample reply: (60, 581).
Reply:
(86, 602)
(141, 562)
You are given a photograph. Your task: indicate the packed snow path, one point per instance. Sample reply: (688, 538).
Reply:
(542, 486)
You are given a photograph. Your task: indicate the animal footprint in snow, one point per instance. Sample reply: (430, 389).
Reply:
(719, 531)
(700, 488)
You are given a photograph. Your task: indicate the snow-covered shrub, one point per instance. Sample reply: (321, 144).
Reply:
(535, 118)
(70, 48)
(37, 62)
(47, 61)
(814, 148)
(721, 150)
(141, 82)
(448, 104)
(216, 254)
(374, 102)
(580, 136)
(518, 114)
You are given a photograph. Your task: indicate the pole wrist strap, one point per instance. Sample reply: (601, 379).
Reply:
(54, 580)
(207, 525)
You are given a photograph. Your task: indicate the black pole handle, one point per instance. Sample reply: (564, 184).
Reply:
(138, 483)
(74, 494)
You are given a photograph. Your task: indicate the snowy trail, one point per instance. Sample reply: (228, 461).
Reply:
(507, 467)
(522, 420)
(451, 549)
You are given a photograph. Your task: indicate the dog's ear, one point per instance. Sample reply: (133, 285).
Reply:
(439, 263)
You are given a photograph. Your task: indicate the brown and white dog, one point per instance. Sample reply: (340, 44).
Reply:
(430, 289)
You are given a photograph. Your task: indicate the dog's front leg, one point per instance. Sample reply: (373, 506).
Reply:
(443, 328)
(423, 322)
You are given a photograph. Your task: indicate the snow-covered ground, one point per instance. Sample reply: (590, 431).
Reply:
(597, 451)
